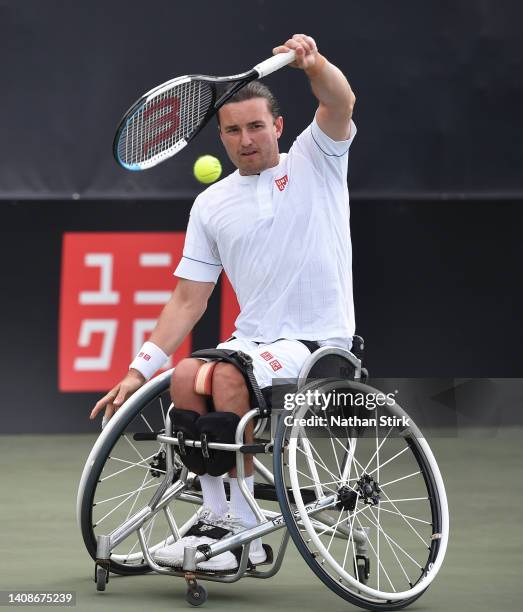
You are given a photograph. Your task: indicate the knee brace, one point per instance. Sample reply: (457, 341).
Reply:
(203, 378)
(184, 423)
(218, 427)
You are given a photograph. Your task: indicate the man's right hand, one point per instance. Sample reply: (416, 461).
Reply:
(117, 395)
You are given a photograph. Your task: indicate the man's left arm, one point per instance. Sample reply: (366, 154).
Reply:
(329, 85)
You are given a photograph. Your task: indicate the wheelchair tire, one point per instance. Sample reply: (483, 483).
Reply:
(118, 478)
(383, 493)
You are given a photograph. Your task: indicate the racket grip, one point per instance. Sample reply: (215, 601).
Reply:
(274, 63)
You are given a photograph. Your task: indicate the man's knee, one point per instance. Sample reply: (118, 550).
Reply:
(182, 381)
(228, 382)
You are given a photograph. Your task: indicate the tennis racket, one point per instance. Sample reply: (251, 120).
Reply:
(165, 119)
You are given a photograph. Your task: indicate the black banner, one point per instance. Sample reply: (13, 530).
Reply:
(438, 86)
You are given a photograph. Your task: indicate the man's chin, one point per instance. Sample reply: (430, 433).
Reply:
(250, 169)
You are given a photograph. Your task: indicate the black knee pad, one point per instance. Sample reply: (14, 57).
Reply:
(218, 427)
(185, 423)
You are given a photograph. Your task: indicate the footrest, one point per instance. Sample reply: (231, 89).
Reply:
(266, 492)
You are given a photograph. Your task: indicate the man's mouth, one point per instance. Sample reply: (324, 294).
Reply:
(248, 154)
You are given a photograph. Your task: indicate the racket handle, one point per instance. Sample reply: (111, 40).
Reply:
(274, 63)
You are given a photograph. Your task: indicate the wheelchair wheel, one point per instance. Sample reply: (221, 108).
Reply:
(377, 531)
(122, 474)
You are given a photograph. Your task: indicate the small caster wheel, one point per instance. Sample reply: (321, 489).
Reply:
(197, 595)
(102, 578)
(362, 568)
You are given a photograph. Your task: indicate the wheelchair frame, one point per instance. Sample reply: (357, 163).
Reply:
(296, 516)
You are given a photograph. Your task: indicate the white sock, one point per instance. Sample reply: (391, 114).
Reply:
(239, 505)
(241, 509)
(214, 494)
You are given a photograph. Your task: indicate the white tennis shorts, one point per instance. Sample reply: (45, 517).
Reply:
(280, 359)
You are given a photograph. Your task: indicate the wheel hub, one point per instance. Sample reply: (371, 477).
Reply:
(366, 489)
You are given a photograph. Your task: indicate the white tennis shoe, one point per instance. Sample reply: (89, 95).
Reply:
(205, 531)
(208, 530)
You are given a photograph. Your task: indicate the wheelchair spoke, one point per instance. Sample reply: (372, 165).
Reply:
(146, 423)
(380, 564)
(316, 482)
(400, 564)
(393, 541)
(130, 466)
(404, 517)
(334, 528)
(390, 501)
(386, 484)
(377, 455)
(100, 521)
(322, 464)
(350, 540)
(133, 446)
(403, 450)
(104, 501)
(339, 522)
(378, 447)
(136, 498)
(412, 518)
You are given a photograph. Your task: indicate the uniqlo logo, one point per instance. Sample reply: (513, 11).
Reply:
(275, 365)
(267, 356)
(282, 182)
(113, 288)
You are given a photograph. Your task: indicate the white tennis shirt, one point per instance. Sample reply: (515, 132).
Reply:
(283, 239)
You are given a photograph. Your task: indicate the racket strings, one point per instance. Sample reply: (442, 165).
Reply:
(164, 122)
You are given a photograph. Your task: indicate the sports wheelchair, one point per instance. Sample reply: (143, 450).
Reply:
(364, 502)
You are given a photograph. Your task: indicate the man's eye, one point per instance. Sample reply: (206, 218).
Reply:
(231, 130)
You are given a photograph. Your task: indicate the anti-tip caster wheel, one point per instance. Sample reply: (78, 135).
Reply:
(362, 568)
(197, 595)
(102, 578)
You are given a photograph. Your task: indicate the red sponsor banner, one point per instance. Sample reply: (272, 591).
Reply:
(113, 288)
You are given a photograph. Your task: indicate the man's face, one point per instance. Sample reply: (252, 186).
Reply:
(250, 135)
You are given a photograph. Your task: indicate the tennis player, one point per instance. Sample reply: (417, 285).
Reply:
(279, 227)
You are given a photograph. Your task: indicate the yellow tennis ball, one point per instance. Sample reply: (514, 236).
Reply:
(207, 169)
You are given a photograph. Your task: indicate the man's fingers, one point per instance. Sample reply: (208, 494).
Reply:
(109, 413)
(280, 49)
(120, 398)
(101, 404)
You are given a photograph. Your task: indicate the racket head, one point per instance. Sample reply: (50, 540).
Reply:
(163, 121)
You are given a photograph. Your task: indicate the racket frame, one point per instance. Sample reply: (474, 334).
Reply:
(239, 81)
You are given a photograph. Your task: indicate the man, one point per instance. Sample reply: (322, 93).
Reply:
(279, 226)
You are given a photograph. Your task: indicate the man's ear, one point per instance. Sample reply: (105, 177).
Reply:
(278, 124)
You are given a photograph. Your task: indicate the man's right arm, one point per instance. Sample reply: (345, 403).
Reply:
(181, 313)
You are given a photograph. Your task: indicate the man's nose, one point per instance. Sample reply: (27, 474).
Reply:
(246, 139)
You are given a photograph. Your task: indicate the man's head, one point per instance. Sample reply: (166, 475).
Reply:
(250, 125)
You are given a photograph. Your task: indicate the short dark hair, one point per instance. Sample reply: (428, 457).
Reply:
(255, 89)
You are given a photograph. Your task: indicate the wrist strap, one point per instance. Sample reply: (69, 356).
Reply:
(150, 358)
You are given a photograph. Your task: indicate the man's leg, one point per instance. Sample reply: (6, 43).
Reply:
(185, 398)
(230, 394)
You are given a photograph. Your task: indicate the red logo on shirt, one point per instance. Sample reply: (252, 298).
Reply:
(275, 365)
(282, 182)
(267, 356)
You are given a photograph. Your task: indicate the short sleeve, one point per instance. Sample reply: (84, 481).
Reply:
(200, 260)
(329, 156)
(330, 147)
